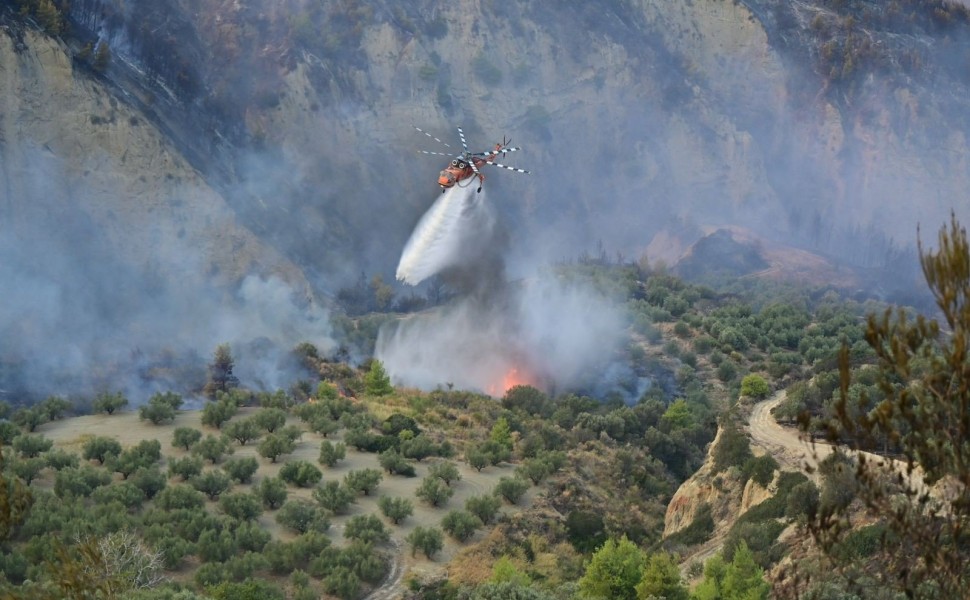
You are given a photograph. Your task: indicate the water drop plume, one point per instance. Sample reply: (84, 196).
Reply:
(452, 233)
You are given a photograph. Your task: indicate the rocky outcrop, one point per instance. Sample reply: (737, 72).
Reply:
(664, 112)
(721, 253)
(728, 496)
(70, 149)
(721, 492)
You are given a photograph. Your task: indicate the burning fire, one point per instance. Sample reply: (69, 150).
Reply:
(513, 377)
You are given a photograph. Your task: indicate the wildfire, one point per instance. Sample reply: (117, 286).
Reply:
(513, 377)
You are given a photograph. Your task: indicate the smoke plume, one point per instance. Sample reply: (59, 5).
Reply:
(541, 331)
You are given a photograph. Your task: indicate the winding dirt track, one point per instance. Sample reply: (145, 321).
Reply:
(786, 444)
(393, 584)
(791, 449)
(794, 451)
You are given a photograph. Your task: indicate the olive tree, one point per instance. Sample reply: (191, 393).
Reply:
(100, 448)
(185, 437)
(428, 540)
(330, 453)
(460, 524)
(395, 509)
(434, 491)
(109, 403)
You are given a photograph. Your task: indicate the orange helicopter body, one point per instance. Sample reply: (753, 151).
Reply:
(459, 170)
(468, 165)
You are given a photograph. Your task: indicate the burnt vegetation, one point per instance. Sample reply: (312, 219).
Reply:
(900, 40)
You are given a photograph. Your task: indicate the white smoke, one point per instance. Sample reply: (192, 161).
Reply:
(264, 326)
(447, 235)
(461, 345)
(544, 331)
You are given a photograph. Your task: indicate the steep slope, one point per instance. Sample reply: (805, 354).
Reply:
(731, 110)
(113, 245)
(275, 138)
(71, 149)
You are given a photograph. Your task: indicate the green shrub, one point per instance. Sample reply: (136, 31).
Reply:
(733, 448)
(761, 469)
(754, 386)
(585, 530)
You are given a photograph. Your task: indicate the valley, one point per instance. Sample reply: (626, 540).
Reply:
(251, 348)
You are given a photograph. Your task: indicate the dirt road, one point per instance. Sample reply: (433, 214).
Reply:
(792, 450)
(787, 444)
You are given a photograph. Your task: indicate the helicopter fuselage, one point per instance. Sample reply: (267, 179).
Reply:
(460, 169)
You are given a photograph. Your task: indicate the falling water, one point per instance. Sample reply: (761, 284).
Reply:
(493, 334)
(442, 236)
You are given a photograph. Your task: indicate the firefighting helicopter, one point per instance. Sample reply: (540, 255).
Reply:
(466, 165)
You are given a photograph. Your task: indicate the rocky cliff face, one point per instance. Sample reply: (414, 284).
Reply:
(802, 122)
(724, 494)
(228, 139)
(113, 246)
(74, 156)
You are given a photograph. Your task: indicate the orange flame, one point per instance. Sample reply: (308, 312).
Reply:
(512, 378)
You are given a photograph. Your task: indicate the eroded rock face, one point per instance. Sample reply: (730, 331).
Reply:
(74, 156)
(227, 139)
(721, 492)
(117, 257)
(711, 111)
(724, 493)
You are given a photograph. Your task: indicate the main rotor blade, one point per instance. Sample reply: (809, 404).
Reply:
(496, 152)
(430, 136)
(461, 134)
(435, 153)
(517, 170)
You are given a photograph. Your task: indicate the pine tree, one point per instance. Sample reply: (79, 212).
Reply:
(923, 374)
(661, 579)
(614, 571)
(743, 578)
(49, 17)
(221, 378)
(377, 382)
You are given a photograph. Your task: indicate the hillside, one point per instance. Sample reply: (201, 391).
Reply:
(129, 430)
(718, 195)
(180, 153)
(588, 470)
